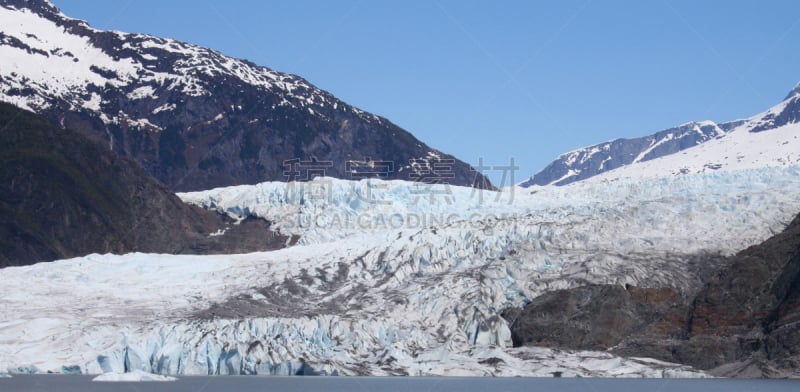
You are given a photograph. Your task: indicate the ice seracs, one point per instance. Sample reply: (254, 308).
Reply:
(136, 375)
(378, 298)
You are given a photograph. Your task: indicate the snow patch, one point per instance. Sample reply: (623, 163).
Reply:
(570, 173)
(216, 118)
(93, 103)
(219, 232)
(143, 123)
(164, 108)
(142, 92)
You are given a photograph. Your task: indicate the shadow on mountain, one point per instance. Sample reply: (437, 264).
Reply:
(62, 195)
(744, 322)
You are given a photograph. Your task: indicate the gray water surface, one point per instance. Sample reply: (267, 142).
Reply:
(390, 384)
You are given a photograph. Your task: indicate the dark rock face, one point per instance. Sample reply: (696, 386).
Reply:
(62, 196)
(789, 114)
(748, 312)
(795, 91)
(745, 321)
(196, 119)
(595, 317)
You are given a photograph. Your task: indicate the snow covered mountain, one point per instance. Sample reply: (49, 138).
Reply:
(387, 280)
(192, 117)
(683, 144)
(386, 277)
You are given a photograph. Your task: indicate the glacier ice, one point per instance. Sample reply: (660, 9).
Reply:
(136, 375)
(420, 296)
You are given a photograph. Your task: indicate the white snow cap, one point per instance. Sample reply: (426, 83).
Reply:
(795, 91)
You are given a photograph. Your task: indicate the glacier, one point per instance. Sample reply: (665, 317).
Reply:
(134, 376)
(387, 278)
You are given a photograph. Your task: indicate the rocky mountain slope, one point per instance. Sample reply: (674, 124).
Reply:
(194, 118)
(641, 155)
(745, 321)
(62, 195)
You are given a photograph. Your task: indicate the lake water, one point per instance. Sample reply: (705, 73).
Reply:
(388, 384)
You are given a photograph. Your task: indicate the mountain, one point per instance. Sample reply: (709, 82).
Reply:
(194, 118)
(795, 91)
(743, 322)
(640, 156)
(62, 195)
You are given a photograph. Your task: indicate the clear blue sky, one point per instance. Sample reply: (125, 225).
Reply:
(500, 79)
